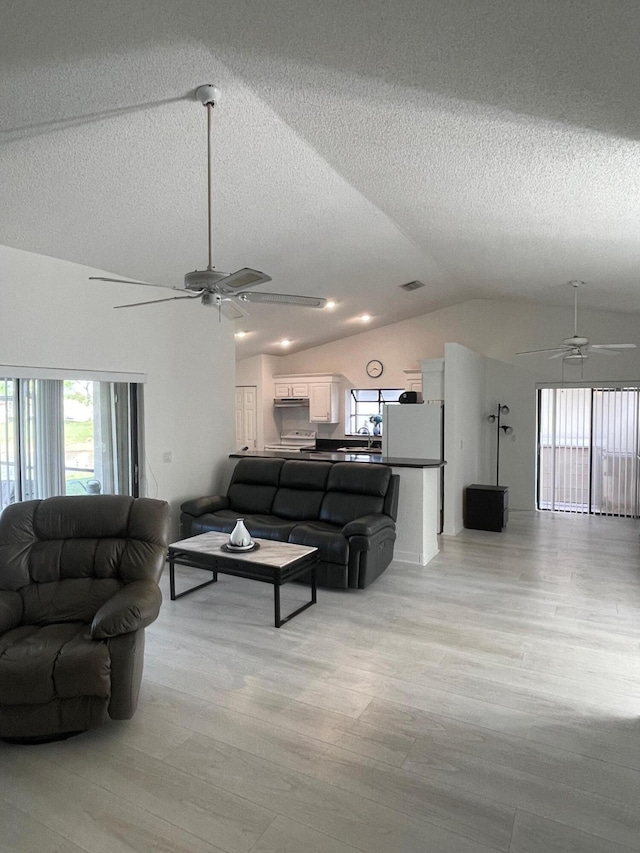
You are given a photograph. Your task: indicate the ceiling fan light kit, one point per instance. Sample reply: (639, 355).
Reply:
(221, 290)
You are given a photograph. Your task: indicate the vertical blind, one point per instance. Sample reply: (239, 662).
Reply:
(66, 437)
(588, 450)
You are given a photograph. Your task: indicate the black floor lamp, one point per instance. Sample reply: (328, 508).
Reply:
(495, 419)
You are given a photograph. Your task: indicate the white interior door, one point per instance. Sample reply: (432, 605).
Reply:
(246, 416)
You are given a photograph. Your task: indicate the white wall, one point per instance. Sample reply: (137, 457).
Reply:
(464, 376)
(508, 385)
(52, 316)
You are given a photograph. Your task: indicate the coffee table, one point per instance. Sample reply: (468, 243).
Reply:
(273, 562)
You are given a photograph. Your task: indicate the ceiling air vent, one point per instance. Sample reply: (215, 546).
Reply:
(412, 285)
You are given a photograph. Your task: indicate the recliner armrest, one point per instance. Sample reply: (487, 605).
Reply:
(198, 506)
(11, 609)
(367, 525)
(134, 606)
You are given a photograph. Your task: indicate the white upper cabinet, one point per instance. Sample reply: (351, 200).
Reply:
(291, 388)
(323, 402)
(322, 389)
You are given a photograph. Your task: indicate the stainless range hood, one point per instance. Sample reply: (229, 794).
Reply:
(289, 402)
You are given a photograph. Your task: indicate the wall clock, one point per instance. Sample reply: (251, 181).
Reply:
(374, 368)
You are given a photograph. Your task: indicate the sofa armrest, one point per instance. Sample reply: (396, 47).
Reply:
(134, 606)
(198, 506)
(367, 525)
(11, 609)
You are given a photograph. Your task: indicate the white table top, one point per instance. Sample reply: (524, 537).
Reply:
(270, 552)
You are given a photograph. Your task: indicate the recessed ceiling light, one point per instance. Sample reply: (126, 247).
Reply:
(331, 304)
(241, 334)
(285, 343)
(365, 318)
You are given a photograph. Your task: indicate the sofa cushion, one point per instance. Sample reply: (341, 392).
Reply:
(246, 498)
(260, 526)
(41, 663)
(354, 489)
(254, 485)
(302, 474)
(302, 487)
(220, 522)
(269, 527)
(332, 546)
(359, 478)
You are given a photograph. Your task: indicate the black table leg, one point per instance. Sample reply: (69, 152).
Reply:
(276, 600)
(276, 604)
(172, 581)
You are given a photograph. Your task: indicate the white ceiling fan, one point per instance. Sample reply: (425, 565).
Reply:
(225, 291)
(578, 347)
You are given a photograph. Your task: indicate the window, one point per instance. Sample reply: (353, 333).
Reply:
(67, 437)
(364, 409)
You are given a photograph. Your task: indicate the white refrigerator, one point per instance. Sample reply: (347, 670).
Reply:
(415, 431)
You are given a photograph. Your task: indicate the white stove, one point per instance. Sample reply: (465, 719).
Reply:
(292, 440)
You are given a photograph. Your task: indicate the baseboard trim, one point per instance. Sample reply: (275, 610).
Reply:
(414, 558)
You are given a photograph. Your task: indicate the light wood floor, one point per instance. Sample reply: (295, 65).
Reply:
(487, 702)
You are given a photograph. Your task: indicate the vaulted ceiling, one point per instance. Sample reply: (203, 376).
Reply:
(485, 147)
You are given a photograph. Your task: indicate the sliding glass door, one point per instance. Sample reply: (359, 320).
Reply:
(67, 437)
(588, 446)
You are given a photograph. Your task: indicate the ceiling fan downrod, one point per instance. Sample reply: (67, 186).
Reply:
(575, 284)
(209, 96)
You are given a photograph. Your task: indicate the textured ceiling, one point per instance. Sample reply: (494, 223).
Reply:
(485, 147)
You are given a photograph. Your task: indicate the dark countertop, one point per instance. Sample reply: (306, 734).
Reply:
(337, 456)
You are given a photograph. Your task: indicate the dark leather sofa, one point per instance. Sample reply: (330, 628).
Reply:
(346, 509)
(78, 585)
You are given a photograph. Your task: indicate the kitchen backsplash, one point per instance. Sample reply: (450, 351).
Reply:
(298, 418)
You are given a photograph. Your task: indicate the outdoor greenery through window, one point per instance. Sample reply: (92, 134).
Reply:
(364, 416)
(67, 437)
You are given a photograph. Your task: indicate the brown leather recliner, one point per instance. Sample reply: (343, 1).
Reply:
(78, 585)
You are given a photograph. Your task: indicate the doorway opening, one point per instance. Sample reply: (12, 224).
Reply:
(588, 450)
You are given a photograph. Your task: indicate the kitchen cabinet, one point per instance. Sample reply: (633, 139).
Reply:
(323, 402)
(322, 390)
(291, 388)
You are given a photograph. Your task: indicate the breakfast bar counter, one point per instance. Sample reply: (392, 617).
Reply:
(343, 456)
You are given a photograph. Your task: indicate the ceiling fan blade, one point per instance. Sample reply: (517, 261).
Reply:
(283, 299)
(567, 352)
(613, 346)
(246, 277)
(152, 301)
(601, 351)
(552, 349)
(130, 281)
